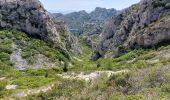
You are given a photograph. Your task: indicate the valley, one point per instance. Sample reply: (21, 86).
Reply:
(103, 55)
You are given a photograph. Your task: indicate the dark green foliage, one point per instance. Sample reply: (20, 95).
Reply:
(65, 69)
(5, 50)
(69, 88)
(4, 56)
(166, 87)
(158, 3)
(121, 80)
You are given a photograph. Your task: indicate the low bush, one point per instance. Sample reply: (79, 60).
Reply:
(166, 87)
(158, 3)
(135, 97)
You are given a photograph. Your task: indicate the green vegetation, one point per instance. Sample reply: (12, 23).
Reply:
(149, 83)
(148, 75)
(158, 3)
(69, 88)
(28, 79)
(30, 47)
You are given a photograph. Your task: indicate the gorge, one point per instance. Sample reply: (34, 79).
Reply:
(106, 54)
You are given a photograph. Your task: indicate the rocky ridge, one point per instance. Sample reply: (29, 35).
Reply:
(145, 24)
(29, 16)
(86, 23)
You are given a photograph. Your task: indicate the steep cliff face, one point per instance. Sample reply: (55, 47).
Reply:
(29, 16)
(142, 25)
(47, 42)
(70, 41)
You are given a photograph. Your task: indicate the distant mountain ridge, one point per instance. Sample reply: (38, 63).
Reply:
(78, 20)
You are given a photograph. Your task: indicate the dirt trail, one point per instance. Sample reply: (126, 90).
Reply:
(92, 76)
(88, 78)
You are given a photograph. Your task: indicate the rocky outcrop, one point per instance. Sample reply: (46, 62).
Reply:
(29, 16)
(142, 25)
(70, 41)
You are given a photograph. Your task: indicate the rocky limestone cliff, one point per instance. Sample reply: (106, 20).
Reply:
(70, 41)
(29, 16)
(142, 25)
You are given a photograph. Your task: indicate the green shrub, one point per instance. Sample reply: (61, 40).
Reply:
(147, 56)
(158, 3)
(4, 56)
(31, 82)
(68, 89)
(135, 97)
(2, 85)
(155, 77)
(65, 69)
(36, 72)
(129, 55)
(166, 87)
(6, 47)
(121, 79)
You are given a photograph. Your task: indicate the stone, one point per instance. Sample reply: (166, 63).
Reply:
(11, 87)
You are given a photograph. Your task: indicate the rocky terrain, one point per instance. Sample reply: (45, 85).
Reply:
(145, 24)
(29, 16)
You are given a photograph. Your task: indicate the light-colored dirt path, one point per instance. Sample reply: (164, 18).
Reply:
(91, 77)
(88, 78)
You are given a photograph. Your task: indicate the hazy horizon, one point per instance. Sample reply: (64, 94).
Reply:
(68, 6)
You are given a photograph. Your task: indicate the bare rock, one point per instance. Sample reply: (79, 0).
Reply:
(145, 24)
(29, 16)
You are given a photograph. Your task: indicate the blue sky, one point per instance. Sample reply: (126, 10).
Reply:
(65, 6)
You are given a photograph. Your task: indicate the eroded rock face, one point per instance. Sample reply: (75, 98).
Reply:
(29, 16)
(71, 42)
(142, 25)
